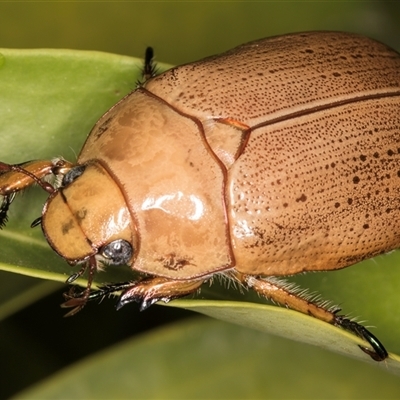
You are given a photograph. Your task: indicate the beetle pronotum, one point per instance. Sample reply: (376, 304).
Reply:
(277, 157)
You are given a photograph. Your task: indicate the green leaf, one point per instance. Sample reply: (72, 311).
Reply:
(289, 324)
(205, 359)
(49, 100)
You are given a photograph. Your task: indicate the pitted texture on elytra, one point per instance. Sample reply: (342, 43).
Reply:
(273, 77)
(325, 193)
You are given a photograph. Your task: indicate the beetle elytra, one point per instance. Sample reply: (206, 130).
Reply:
(277, 157)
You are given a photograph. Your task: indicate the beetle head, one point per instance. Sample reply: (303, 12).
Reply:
(88, 216)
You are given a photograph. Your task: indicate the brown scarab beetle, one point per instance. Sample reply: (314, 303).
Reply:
(277, 157)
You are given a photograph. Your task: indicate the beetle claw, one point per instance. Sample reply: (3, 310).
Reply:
(73, 278)
(145, 302)
(282, 293)
(76, 301)
(378, 351)
(4, 207)
(76, 275)
(74, 311)
(376, 356)
(126, 300)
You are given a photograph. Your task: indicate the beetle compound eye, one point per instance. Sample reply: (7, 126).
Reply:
(118, 252)
(72, 174)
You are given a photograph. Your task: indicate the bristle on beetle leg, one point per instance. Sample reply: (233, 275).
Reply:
(288, 294)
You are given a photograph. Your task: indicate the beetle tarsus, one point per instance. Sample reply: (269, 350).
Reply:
(78, 301)
(72, 278)
(378, 352)
(286, 294)
(109, 289)
(36, 222)
(5, 206)
(146, 292)
(149, 68)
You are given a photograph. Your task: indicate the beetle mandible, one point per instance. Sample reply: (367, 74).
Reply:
(277, 157)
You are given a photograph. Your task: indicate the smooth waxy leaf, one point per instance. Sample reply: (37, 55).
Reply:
(289, 324)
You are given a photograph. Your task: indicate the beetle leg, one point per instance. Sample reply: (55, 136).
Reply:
(77, 301)
(378, 353)
(149, 291)
(149, 67)
(72, 278)
(15, 178)
(278, 292)
(5, 205)
(108, 289)
(102, 291)
(36, 222)
(146, 292)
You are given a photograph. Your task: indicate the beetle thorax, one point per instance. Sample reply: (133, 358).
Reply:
(173, 185)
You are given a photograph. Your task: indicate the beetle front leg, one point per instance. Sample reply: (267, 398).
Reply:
(4, 207)
(146, 292)
(78, 301)
(17, 177)
(149, 291)
(284, 294)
